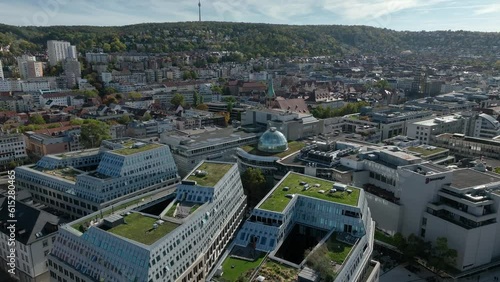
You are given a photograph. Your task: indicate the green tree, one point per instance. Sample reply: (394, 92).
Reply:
(76, 121)
(196, 99)
(36, 119)
(93, 132)
(254, 185)
(441, 255)
(106, 47)
(146, 117)
(124, 119)
(202, 107)
(135, 95)
(177, 100)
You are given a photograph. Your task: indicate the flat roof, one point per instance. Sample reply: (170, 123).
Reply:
(432, 121)
(62, 173)
(293, 147)
(214, 173)
(134, 150)
(210, 137)
(468, 178)
(426, 150)
(139, 228)
(277, 200)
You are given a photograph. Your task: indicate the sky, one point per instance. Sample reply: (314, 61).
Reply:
(415, 15)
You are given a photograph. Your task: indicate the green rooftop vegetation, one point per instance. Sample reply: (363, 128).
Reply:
(327, 258)
(425, 151)
(278, 199)
(293, 147)
(139, 228)
(81, 225)
(210, 174)
(134, 150)
(235, 269)
(381, 236)
(274, 271)
(65, 173)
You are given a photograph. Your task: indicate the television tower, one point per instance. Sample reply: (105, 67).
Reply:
(199, 9)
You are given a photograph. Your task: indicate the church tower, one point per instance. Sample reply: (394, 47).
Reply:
(270, 96)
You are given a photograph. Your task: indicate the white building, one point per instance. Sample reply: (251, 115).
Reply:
(182, 243)
(125, 168)
(35, 235)
(485, 126)
(423, 130)
(57, 51)
(72, 54)
(308, 207)
(12, 148)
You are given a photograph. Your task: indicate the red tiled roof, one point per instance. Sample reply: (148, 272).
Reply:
(49, 131)
(293, 105)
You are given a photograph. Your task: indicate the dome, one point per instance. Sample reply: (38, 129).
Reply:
(272, 141)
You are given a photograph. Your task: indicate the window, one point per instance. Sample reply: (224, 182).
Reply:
(45, 243)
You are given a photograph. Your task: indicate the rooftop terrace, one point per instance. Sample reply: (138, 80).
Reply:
(136, 149)
(63, 173)
(139, 228)
(278, 200)
(293, 147)
(209, 173)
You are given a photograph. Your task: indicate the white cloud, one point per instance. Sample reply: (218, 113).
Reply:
(489, 9)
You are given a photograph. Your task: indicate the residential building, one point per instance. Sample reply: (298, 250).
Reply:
(72, 54)
(58, 51)
(82, 182)
(72, 71)
(302, 209)
(189, 147)
(424, 129)
(12, 148)
(29, 67)
(53, 141)
(34, 237)
(180, 243)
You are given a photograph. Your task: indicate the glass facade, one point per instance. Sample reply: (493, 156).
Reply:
(273, 141)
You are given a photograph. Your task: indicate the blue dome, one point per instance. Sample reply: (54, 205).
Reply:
(272, 141)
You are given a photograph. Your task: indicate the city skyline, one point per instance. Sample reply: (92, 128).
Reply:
(392, 14)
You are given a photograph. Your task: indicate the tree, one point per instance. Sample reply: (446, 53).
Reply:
(124, 119)
(254, 185)
(202, 107)
(441, 255)
(93, 132)
(177, 100)
(36, 119)
(134, 95)
(196, 99)
(146, 117)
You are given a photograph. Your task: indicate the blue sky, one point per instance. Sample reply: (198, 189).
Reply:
(480, 15)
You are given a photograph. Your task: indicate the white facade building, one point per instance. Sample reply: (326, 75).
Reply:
(35, 235)
(124, 168)
(1, 71)
(485, 126)
(12, 148)
(97, 58)
(423, 130)
(188, 241)
(57, 51)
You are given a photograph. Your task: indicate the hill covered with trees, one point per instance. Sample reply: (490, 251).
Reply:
(250, 39)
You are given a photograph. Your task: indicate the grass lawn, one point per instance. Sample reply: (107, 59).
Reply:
(426, 152)
(278, 272)
(277, 201)
(233, 268)
(379, 235)
(130, 151)
(497, 170)
(293, 147)
(139, 228)
(337, 251)
(215, 171)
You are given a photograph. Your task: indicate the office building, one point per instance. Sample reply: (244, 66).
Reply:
(468, 147)
(303, 212)
(424, 129)
(34, 237)
(57, 51)
(12, 148)
(82, 182)
(189, 147)
(53, 141)
(484, 126)
(181, 242)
